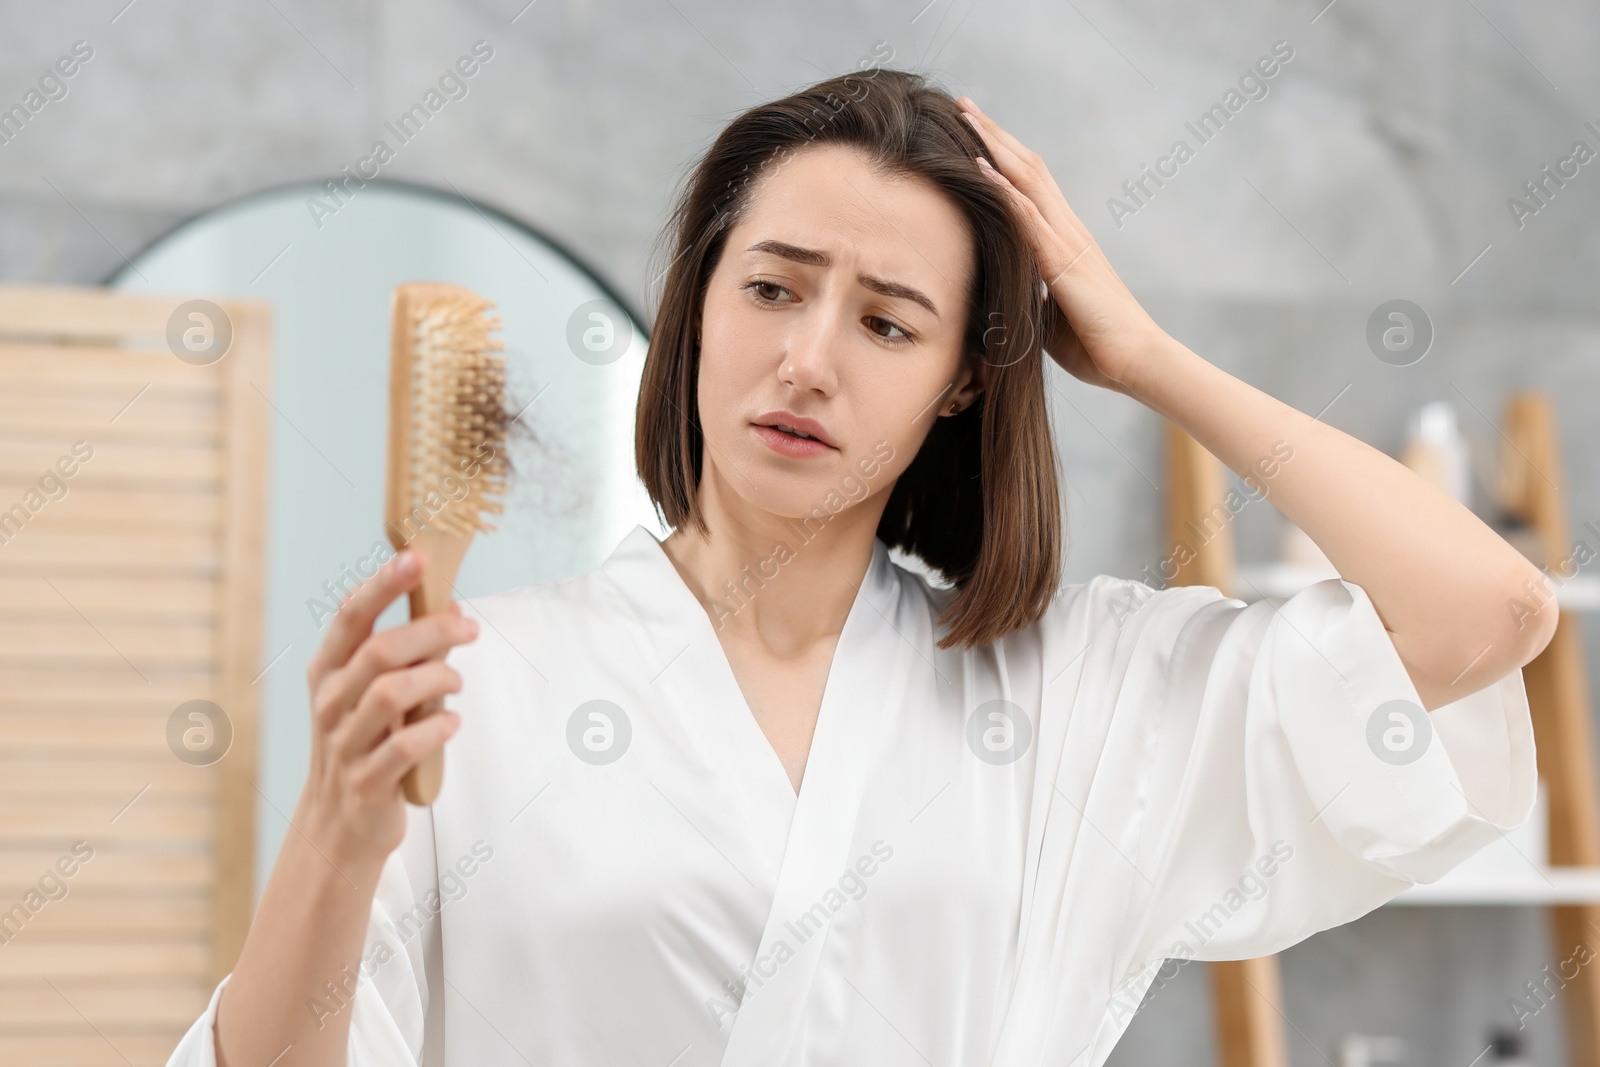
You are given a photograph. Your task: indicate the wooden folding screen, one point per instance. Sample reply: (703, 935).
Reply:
(133, 468)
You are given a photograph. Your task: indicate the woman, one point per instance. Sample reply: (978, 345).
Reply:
(758, 795)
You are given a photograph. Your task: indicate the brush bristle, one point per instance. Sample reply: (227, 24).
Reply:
(458, 415)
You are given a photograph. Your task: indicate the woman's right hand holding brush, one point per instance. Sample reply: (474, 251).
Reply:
(362, 684)
(312, 920)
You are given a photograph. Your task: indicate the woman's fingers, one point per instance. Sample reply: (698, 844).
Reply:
(1013, 157)
(362, 686)
(1058, 247)
(1023, 165)
(384, 704)
(430, 637)
(389, 762)
(1055, 256)
(352, 623)
(1026, 172)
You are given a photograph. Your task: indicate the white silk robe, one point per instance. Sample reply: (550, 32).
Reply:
(991, 854)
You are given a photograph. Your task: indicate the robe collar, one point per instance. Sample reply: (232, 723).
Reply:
(797, 847)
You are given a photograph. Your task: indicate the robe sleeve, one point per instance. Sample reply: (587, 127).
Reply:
(1286, 791)
(399, 975)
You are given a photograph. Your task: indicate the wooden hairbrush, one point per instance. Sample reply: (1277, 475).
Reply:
(447, 440)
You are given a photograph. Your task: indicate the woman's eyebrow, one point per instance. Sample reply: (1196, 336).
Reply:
(812, 257)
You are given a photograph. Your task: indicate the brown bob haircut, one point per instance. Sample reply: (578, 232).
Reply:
(979, 503)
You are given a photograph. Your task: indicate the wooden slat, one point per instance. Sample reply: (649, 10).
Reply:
(106, 597)
(87, 642)
(80, 523)
(107, 370)
(144, 820)
(153, 959)
(50, 414)
(141, 873)
(117, 1005)
(121, 918)
(77, 778)
(153, 505)
(75, 311)
(86, 1048)
(95, 738)
(33, 690)
(96, 463)
(95, 554)
(129, 736)
(146, 640)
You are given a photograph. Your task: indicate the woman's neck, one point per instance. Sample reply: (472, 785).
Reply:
(787, 582)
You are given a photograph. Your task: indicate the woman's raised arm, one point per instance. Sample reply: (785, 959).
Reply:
(1451, 592)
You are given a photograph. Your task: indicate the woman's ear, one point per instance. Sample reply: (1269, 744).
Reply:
(968, 385)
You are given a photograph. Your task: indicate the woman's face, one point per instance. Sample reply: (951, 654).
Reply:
(840, 298)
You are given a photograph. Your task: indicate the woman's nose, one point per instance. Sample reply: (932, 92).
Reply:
(812, 348)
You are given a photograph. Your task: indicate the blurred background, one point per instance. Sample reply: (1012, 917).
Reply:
(1394, 230)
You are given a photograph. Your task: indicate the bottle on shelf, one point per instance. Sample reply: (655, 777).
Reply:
(1437, 451)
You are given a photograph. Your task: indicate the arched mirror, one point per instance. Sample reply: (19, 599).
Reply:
(328, 262)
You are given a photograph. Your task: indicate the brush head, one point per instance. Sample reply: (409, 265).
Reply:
(447, 452)
(448, 420)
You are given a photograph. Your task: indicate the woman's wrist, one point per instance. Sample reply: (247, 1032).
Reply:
(1150, 380)
(331, 848)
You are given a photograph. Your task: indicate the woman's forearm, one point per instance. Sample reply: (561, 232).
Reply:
(309, 930)
(1442, 581)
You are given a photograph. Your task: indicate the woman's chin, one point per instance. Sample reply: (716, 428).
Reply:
(793, 500)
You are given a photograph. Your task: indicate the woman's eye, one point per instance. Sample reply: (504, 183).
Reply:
(904, 338)
(757, 286)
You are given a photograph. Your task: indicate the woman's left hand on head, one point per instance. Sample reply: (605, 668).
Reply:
(1098, 332)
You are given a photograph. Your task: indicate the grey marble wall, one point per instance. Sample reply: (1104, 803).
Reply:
(1376, 163)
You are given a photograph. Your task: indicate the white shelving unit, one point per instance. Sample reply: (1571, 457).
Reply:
(1551, 885)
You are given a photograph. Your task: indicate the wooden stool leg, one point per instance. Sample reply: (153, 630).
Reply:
(1571, 926)
(1532, 488)
(1556, 685)
(1246, 995)
(1248, 1000)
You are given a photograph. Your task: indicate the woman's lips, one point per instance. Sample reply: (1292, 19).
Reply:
(789, 445)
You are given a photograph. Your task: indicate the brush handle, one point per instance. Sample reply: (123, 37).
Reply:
(432, 595)
(422, 782)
